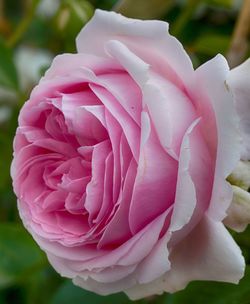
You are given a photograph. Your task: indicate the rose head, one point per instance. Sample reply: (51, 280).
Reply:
(120, 160)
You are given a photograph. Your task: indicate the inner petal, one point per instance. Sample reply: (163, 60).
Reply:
(88, 129)
(130, 128)
(94, 190)
(171, 111)
(154, 188)
(74, 203)
(126, 90)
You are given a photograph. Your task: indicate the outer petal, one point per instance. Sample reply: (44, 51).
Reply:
(156, 263)
(153, 266)
(71, 261)
(239, 82)
(194, 184)
(210, 79)
(104, 288)
(208, 253)
(139, 36)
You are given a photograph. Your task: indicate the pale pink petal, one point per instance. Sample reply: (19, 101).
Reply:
(169, 107)
(208, 253)
(61, 252)
(157, 262)
(105, 288)
(130, 280)
(239, 83)
(111, 274)
(210, 78)
(126, 91)
(171, 111)
(134, 65)
(149, 40)
(84, 258)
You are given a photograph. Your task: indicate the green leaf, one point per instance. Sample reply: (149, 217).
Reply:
(8, 73)
(222, 3)
(211, 44)
(82, 9)
(215, 292)
(68, 293)
(69, 20)
(41, 286)
(143, 9)
(20, 256)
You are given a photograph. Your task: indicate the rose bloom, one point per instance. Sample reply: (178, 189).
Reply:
(120, 161)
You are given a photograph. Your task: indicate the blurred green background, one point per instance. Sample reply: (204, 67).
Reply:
(32, 32)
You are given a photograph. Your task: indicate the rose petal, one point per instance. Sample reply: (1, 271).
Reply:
(94, 190)
(130, 128)
(68, 64)
(210, 78)
(171, 112)
(155, 183)
(239, 82)
(126, 91)
(208, 253)
(149, 40)
(113, 233)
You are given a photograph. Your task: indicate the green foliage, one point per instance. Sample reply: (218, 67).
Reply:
(8, 73)
(220, 3)
(68, 293)
(20, 256)
(71, 17)
(211, 44)
(143, 9)
(215, 292)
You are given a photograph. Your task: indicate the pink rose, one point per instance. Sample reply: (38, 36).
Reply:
(120, 161)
